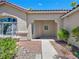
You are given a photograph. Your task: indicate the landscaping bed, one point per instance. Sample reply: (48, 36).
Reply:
(71, 48)
(63, 51)
(64, 40)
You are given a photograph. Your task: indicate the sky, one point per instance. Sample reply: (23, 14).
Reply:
(44, 4)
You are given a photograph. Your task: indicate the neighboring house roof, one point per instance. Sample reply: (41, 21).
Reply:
(70, 12)
(14, 6)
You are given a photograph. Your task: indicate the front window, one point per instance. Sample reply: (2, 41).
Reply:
(8, 26)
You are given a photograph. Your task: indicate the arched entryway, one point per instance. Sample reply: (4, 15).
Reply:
(44, 29)
(8, 25)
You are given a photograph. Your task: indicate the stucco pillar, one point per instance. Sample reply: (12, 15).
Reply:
(59, 25)
(30, 34)
(33, 30)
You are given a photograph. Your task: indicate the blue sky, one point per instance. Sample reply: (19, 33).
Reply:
(44, 4)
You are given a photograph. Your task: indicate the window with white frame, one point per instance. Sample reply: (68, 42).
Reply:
(46, 27)
(8, 26)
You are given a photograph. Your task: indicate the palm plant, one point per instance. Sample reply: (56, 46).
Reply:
(63, 34)
(75, 33)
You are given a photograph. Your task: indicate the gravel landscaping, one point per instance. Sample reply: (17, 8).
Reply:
(28, 50)
(63, 52)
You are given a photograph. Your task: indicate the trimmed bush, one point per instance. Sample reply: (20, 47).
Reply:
(7, 48)
(63, 34)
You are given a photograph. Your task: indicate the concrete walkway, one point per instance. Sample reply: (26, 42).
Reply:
(48, 51)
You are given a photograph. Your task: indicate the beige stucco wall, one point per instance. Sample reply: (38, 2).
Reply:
(71, 22)
(21, 17)
(44, 16)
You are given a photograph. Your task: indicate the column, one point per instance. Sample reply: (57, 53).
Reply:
(59, 23)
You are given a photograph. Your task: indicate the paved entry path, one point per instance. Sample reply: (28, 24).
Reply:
(48, 51)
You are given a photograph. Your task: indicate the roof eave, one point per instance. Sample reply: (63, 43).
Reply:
(14, 6)
(74, 10)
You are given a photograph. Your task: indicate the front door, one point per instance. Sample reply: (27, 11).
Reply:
(46, 29)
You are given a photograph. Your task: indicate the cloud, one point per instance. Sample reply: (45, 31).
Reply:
(40, 4)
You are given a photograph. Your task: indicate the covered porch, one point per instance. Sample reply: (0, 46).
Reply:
(44, 29)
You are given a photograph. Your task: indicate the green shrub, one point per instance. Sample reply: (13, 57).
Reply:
(75, 32)
(7, 48)
(63, 34)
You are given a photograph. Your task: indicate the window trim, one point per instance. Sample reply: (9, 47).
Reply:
(5, 22)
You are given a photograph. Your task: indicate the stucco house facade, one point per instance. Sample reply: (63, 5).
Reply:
(32, 24)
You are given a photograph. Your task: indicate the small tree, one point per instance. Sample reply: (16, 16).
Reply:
(63, 34)
(7, 48)
(73, 4)
(75, 33)
(29, 9)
